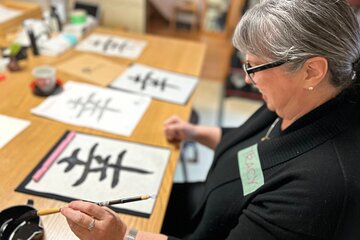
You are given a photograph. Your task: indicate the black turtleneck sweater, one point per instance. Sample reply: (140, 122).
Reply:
(311, 174)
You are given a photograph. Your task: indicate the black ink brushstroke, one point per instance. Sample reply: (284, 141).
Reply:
(73, 160)
(92, 106)
(148, 80)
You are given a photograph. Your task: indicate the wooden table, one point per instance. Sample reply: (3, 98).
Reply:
(24, 152)
(28, 10)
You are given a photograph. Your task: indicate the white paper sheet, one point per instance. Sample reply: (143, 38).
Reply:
(112, 46)
(10, 127)
(8, 13)
(131, 169)
(157, 83)
(95, 107)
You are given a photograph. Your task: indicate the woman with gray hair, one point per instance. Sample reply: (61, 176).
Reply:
(292, 170)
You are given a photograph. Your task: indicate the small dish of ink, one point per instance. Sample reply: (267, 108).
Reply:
(11, 229)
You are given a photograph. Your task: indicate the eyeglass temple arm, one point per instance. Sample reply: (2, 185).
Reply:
(266, 66)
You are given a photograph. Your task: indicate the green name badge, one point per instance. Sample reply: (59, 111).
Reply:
(251, 173)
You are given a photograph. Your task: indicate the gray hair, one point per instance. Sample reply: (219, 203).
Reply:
(301, 29)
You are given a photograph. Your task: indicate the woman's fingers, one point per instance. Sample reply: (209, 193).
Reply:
(76, 216)
(79, 231)
(111, 212)
(80, 223)
(90, 221)
(89, 208)
(171, 120)
(174, 132)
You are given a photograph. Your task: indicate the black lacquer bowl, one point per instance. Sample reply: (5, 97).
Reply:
(10, 229)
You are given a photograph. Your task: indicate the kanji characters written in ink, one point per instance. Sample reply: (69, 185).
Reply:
(161, 84)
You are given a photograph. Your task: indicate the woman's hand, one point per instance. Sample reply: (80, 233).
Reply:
(90, 221)
(177, 130)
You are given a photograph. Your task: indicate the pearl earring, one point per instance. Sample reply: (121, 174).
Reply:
(311, 88)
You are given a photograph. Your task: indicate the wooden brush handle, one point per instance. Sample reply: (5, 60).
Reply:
(48, 211)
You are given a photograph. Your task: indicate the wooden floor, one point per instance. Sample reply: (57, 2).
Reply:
(217, 58)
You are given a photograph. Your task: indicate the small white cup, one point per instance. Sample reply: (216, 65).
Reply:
(45, 78)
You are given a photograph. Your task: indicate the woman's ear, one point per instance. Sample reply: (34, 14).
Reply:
(315, 69)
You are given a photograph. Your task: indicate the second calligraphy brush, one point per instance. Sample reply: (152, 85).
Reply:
(35, 213)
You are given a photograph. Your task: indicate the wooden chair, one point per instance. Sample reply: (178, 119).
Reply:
(193, 8)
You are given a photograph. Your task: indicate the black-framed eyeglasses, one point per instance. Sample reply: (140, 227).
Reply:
(251, 70)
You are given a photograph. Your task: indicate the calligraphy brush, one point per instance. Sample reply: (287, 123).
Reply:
(125, 200)
(35, 213)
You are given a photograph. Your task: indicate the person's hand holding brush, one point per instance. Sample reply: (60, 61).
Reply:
(90, 221)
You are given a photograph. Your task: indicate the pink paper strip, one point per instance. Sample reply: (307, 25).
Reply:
(46, 165)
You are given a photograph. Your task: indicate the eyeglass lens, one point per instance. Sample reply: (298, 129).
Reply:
(246, 66)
